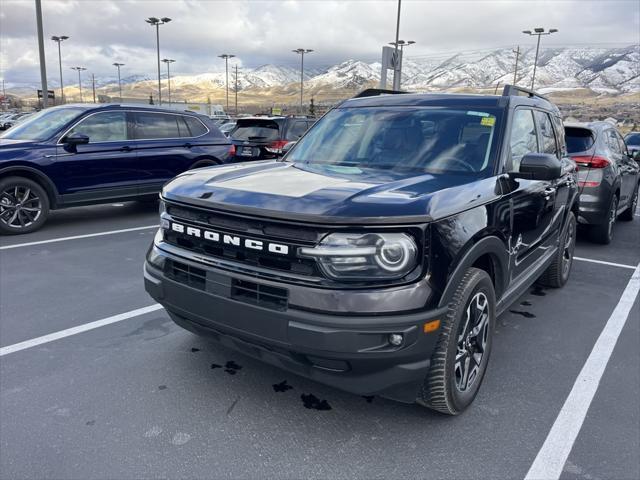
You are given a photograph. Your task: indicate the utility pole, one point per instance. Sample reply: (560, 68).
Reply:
(396, 73)
(43, 66)
(156, 22)
(236, 89)
(118, 65)
(515, 72)
(93, 85)
(537, 32)
(59, 40)
(168, 61)
(226, 57)
(4, 97)
(301, 52)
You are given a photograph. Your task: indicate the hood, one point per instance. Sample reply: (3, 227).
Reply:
(329, 194)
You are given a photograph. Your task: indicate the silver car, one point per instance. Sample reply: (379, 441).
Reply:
(608, 177)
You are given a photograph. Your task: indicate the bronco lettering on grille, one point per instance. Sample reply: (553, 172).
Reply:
(227, 239)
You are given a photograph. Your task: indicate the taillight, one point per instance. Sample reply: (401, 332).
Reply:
(232, 150)
(594, 161)
(277, 146)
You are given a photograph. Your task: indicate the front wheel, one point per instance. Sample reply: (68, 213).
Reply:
(460, 359)
(24, 205)
(628, 214)
(557, 274)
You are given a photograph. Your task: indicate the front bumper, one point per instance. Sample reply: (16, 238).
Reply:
(348, 351)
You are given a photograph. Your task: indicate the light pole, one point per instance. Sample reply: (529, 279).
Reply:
(396, 76)
(153, 21)
(59, 40)
(226, 57)
(537, 32)
(118, 65)
(79, 70)
(43, 62)
(515, 72)
(401, 44)
(301, 52)
(168, 61)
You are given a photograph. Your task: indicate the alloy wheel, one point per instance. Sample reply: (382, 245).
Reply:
(472, 341)
(20, 206)
(569, 245)
(612, 215)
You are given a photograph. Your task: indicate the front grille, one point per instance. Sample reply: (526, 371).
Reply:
(264, 230)
(274, 298)
(261, 295)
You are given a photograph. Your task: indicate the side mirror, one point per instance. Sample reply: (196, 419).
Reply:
(76, 139)
(287, 147)
(539, 166)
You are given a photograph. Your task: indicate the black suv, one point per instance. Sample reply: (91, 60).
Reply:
(264, 138)
(377, 254)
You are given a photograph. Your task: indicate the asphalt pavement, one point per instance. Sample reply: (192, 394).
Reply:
(142, 398)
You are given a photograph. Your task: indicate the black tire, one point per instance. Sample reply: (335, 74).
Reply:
(445, 389)
(629, 213)
(604, 233)
(24, 206)
(557, 274)
(204, 163)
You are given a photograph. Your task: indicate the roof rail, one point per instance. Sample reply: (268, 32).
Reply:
(374, 92)
(515, 91)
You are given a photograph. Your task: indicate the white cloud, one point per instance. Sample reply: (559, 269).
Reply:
(259, 32)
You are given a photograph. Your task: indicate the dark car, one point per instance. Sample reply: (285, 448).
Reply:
(81, 154)
(608, 177)
(377, 254)
(263, 138)
(10, 120)
(632, 139)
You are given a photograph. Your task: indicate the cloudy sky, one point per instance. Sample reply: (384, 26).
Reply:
(105, 31)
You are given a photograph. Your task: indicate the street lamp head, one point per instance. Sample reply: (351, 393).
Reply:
(118, 64)
(168, 60)
(553, 30)
(528, 32)
(410, 42)
(165, 19)
(538, 30)
(152, 20)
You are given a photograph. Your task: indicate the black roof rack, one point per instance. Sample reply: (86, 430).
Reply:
(514, 91)
(374, 92)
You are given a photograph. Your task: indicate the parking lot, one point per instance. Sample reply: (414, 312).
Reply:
(138, 397)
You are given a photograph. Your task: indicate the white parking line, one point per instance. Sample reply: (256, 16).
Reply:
(549, 462)
(34, 342)
(602, 262)
(75, 237)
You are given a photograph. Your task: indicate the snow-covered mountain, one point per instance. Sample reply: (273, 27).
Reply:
(600, 69)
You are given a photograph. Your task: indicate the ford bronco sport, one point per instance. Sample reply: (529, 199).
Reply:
(376, 255)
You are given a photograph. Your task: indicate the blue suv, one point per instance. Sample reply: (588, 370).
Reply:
(75, 155)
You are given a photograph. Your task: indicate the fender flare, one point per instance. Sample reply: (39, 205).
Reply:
(497, 250)
(46, 182)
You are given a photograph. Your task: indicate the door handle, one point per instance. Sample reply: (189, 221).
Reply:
(126, 148)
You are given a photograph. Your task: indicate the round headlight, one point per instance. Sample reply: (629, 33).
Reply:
(395, 253)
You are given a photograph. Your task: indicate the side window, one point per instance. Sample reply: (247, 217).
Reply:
(612, 141)
(151, 125)
(623, 146)
(103, 127)
(196, 128)
(296, 130)
(547, 135)
(523, 136)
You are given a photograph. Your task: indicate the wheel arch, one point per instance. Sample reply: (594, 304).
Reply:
(35, 175)
(205, 161)
(489, 254)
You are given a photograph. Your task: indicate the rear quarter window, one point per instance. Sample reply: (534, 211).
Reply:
(579, 139)
(196, 127)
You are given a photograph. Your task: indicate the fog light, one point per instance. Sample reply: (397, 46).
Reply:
(395, 339)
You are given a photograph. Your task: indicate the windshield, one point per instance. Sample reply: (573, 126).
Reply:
(262, 130)
(422, 139)
(42, 125)
(632, 139)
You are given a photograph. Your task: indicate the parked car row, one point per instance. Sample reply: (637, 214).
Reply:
(8, 120)
(79, 154)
